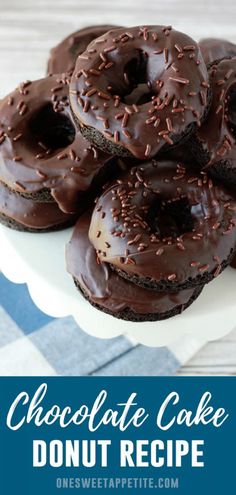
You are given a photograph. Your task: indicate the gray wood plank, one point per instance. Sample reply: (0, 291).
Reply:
(216, 358)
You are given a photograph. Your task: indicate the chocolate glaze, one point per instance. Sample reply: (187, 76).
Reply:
(217, 135)
(215, 49)
(134, 226)
(33, 119)
(29, 213)
(105, 288)
(141, 88)
(64, 55)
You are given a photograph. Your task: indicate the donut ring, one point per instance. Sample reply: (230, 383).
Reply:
(215, 49)
(136, 91)
(42, 156)
(164, 227)
(64, 55)
(214, 143)
(112, 294)
(28, 215)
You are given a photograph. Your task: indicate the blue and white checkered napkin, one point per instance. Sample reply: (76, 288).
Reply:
(33, 344)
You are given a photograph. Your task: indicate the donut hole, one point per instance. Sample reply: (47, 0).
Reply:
(50, 129)
(135, 88)
(170, 219)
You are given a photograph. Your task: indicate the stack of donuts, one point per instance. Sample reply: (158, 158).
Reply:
(131, 138)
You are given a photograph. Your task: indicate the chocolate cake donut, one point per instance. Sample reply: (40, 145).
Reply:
(64, 55)
(214, 143)
(215, 49)
(137, 91)
(164, 227)
(46, 166)
(24, 214)
(113, 294)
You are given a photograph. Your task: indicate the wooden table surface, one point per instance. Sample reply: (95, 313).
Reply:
(29, 28)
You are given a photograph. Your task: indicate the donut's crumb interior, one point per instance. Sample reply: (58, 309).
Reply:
(135, 88)
(170, 219)
(52, 129)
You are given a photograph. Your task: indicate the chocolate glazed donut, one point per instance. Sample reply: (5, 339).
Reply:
(113, 294)
(64, 55)
(28, 215)
(165, 228)
(214, 144)
(215, 49)
(42, 156)
(136, 91)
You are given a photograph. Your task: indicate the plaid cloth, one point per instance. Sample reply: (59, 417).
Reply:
(34, 344)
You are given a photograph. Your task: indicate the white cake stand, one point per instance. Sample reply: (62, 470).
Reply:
(39, 261)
